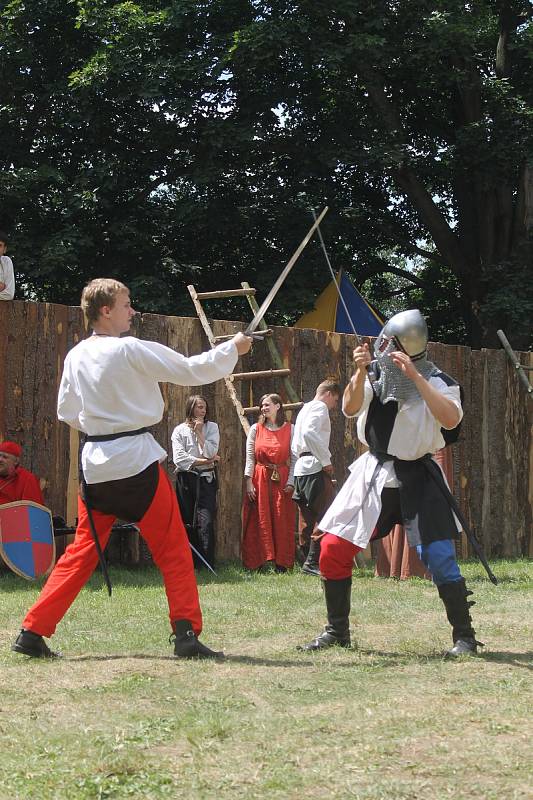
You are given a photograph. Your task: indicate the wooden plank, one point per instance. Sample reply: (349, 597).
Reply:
(286, 406)
(265, 373)
(231, 467)
(248, 292)
(513, 465)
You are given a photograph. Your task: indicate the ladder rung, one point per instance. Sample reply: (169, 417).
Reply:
(265, 373)
(259, 334)
(286, 406)
(225, 293)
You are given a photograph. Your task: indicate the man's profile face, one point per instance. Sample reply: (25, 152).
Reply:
(8, 463)
(121, 313)
(3, 248)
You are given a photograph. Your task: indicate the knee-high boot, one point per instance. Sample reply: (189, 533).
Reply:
(310, 566)
(454, 596)
(337, 629)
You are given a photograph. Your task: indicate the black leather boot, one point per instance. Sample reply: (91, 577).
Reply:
(187, 644)
(337, 630)
(310, 565)
(454, 596)
(32, 644)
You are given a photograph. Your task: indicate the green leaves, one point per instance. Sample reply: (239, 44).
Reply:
(200, 133)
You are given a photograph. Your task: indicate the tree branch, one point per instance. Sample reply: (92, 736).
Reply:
(442, 234)
(402, 273)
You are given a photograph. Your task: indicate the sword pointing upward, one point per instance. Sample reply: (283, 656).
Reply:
(337, 287)
(273, 292)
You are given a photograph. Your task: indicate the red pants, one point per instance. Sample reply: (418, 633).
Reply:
(336, 557)
(164, 533)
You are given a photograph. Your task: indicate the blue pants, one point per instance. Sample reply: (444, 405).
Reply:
(439, 558)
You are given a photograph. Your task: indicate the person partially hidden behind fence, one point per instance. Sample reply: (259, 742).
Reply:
(403, 416)
(195, 444)
(16, 483)
(7, 275)
(110, 391)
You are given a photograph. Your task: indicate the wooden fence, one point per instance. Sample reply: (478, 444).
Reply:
(493, 461)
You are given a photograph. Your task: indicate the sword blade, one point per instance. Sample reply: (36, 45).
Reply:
(273, 292)
(208, 565)
(337, 287)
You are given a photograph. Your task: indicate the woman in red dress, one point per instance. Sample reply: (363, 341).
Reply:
(269, 514)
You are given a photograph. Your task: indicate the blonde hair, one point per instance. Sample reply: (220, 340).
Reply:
(329, 385)
(98, 293)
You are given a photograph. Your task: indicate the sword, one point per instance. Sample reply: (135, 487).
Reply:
(208, 565)
(273, 292)
(435, 473)
(337, 287)
(371, 375)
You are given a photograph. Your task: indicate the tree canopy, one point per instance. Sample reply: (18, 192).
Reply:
(174, 142)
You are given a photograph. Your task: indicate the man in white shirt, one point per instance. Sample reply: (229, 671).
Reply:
(7, 275)
(407, 412)
(313, 486)
(110, 391)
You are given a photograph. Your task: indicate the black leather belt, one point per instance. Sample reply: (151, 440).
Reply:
(307, 453)
(109, 437)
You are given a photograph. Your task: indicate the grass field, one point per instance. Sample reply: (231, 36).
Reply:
(117, 717)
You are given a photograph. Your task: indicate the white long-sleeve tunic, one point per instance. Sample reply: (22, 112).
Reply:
(186, 448)
(415, 432)
(110, 384)
(312, 432)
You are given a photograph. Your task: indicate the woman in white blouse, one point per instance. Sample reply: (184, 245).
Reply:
(195, 444)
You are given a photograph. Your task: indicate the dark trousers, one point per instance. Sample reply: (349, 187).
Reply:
(197, 501)
(313, 496)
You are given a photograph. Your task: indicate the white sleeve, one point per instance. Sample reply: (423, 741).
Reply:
(164, 364)
(294, 458)
(181, 458)
(7, 276)
(314, 442)
(250, 452)
(212, 441)
(368, 394)
(69, 405)
(452, 393)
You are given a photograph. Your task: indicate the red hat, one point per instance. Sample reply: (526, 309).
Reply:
(12, 448)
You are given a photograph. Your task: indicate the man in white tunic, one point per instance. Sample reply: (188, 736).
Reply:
(313, 488)
(403, 416)
(110, 391)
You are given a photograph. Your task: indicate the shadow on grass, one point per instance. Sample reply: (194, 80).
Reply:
(360, 658)
(515, 659)
(228, 659)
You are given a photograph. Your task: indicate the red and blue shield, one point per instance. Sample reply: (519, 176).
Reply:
(27, 542)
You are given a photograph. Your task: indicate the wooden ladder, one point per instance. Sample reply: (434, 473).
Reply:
(277, 371)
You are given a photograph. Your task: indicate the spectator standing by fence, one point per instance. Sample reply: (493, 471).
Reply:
(7, 275)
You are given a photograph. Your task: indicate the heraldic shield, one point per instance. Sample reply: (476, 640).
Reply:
(27, 542)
